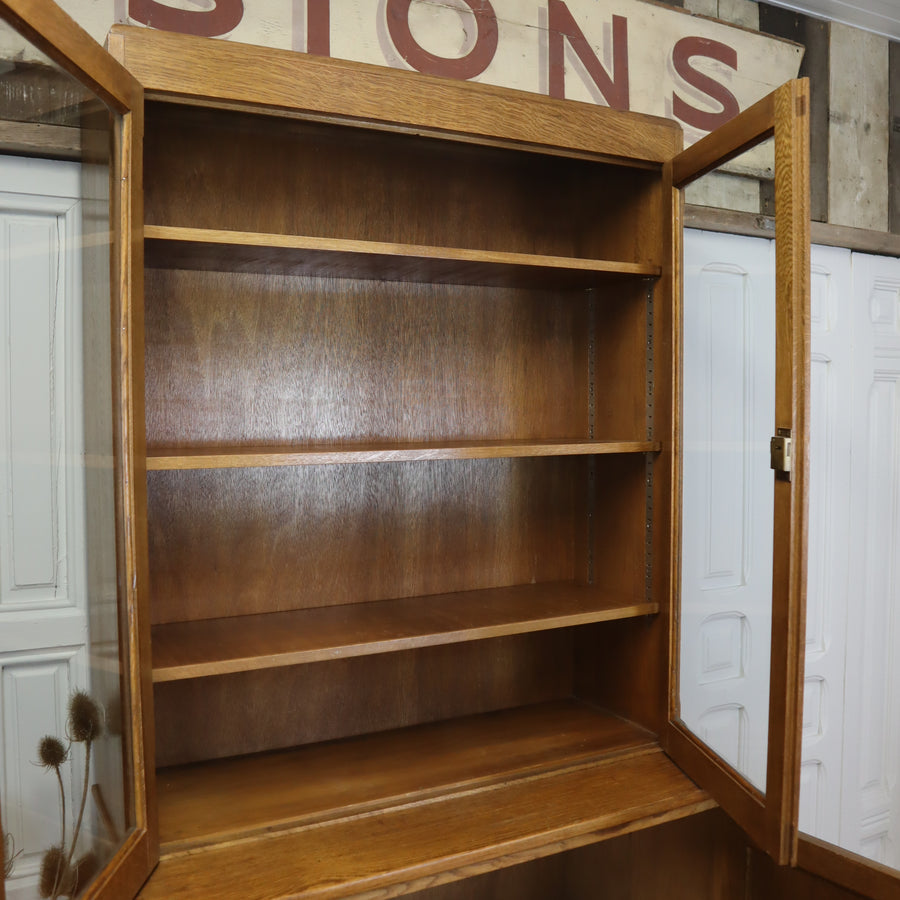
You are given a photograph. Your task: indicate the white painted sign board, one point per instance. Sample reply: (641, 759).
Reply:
(630, 54)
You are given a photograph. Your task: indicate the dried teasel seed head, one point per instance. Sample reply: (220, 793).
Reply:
(53, 872)
(85, 721)
(51, 752)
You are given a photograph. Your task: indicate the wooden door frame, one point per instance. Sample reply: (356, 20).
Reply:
(53, 32)
(769, 819)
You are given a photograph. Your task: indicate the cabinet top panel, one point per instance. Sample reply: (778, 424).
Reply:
(189, 69)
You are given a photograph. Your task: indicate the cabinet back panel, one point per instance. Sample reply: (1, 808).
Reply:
(236, 359)
(228, 715)
(232, 171)
(238, 541)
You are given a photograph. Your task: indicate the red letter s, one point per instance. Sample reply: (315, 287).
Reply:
(225, 16)
(681, 59)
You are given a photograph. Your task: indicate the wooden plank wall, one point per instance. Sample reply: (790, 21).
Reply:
(858, 136)
(855, 84)
(894, 138)
(815, 35)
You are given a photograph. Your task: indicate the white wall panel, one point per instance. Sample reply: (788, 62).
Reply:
(829, 536)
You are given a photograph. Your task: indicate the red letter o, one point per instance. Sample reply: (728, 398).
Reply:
(468, 66)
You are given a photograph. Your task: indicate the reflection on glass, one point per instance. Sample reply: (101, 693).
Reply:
(727, 513)
(63, 778)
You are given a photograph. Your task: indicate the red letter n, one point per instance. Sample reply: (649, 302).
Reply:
(562, 27)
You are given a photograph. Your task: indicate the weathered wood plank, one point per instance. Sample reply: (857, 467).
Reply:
(858, 135)
(815, 35)
(894, 137)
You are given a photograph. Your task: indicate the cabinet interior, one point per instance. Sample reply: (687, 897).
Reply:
(404, 490)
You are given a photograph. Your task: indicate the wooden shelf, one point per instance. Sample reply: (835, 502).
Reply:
(173, 247)
(173, 458)
(415, 806)
(209, 647)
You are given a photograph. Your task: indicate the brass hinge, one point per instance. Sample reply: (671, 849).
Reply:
(781, 453)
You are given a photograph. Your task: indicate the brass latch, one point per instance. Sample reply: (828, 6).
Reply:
(780, 453)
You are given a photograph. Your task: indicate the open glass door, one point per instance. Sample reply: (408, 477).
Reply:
(74, 665)
(739, 556)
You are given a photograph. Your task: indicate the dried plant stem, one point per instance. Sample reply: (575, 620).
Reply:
(62, 801)
(84, 793)
(62, 840)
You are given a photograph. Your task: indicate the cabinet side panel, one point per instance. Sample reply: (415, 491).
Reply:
(229, 715)
(625, 665)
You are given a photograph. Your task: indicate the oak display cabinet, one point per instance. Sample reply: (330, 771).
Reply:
(404, 377)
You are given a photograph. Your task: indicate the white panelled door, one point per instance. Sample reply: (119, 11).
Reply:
(728, 418)
(850, 769)
(43, 623)
(870, 821)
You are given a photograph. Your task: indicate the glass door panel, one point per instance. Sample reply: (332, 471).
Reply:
(72, 793)
(740, 554)
(728, 408)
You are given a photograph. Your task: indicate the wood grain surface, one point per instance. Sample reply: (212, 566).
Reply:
(241, 541)
(208, 802)
(242, 251)
(702, 856)
(208, 170)
(175, 458)
(264, 709)
(180, 66)
(237, 644)
(248, 359)
(451, 837)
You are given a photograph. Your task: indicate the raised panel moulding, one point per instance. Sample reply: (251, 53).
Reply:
(724, 729)
(875, 839)
(725, 426)
(812, 778)
(723, 639)
(34, 689)
(814, 698)
(880, 588)
(36, 410)
(884, 308)
(823, 303)
(30, 247)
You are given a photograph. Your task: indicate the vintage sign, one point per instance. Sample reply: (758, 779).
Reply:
(627, 54)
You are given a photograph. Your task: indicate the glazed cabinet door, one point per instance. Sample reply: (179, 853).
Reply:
(74, 664)
(739, 556)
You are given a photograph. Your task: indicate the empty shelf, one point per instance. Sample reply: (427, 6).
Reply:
(241, 643)
(175, 247)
